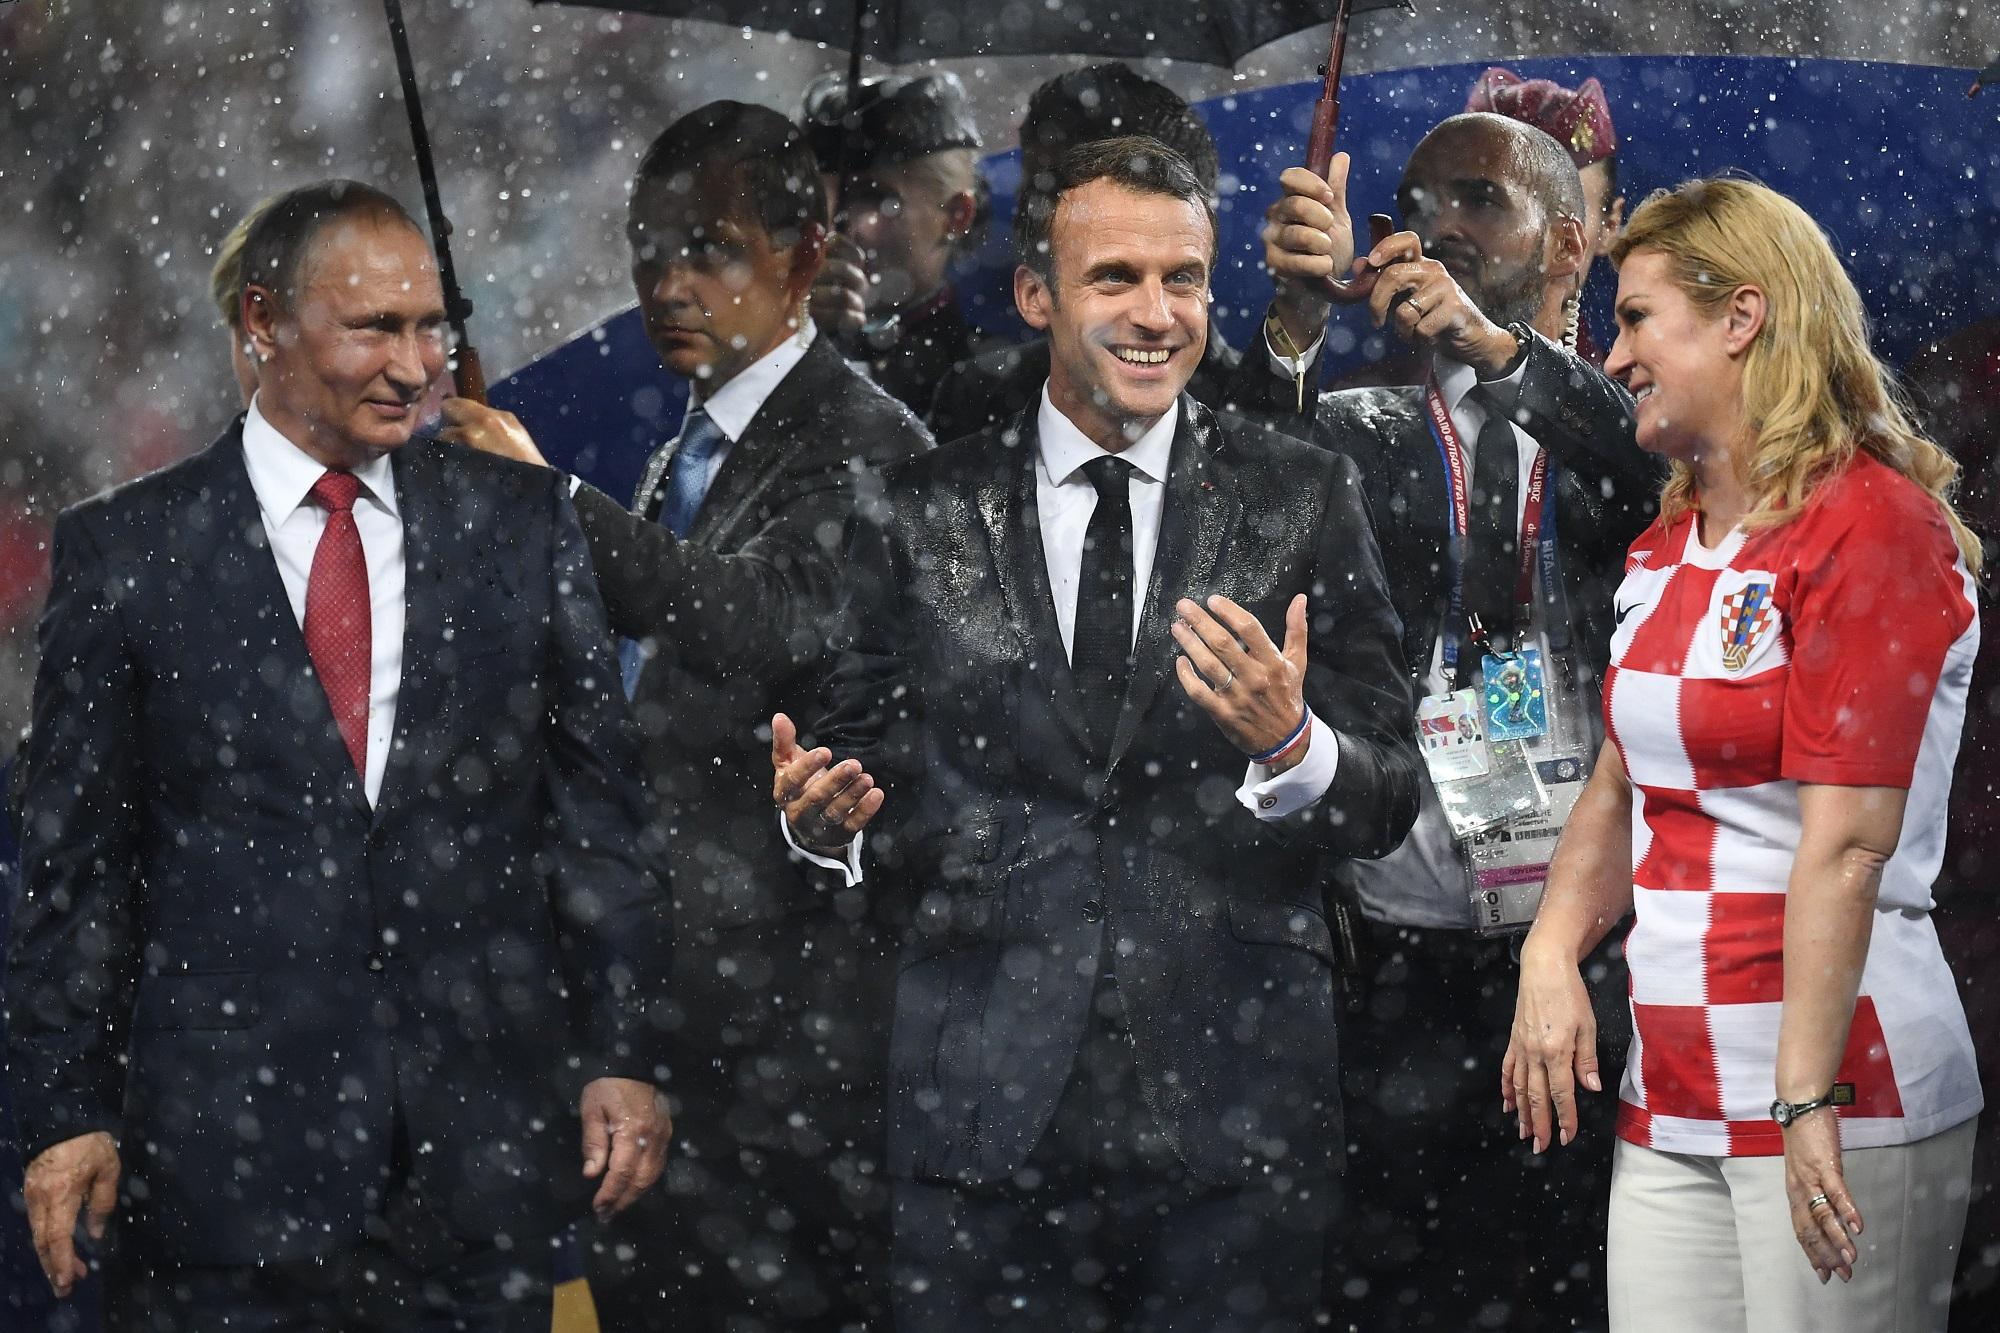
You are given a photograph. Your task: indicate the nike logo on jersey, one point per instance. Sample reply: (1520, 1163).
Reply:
(1624, 611)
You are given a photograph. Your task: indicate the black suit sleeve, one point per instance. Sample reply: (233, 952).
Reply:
(762, 609)
(874, 701)
(1357, 684)
(73, 956)
(608, 886)
(1584, 419)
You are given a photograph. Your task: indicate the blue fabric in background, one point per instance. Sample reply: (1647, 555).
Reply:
(1894, 160)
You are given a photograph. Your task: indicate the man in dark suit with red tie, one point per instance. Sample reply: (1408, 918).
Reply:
(337, 909)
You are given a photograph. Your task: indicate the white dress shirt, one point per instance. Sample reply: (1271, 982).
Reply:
(282, 475)
(1064, 501)
(733, 406)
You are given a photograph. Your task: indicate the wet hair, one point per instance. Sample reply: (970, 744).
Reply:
(1814, 391)
(225, 279)
(1107, 101)
(277, 241)
(1546, 170)
(756, 151)
(1142, 165)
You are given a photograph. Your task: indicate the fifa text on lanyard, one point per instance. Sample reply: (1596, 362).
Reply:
(1537, 544)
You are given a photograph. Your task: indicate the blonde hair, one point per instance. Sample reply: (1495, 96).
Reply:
(1813, 390)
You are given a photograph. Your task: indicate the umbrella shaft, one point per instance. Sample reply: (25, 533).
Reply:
(456, 307)
(1326, 115)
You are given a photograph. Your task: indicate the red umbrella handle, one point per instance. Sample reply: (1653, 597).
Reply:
(1319, 153)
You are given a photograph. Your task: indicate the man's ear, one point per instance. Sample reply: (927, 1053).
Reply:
(261, 317)
(1743, 318)
(1033, 297)
(808, 254)
(959, 211)
(1568, 252)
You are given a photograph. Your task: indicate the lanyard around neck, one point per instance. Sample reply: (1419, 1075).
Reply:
(1537, 539)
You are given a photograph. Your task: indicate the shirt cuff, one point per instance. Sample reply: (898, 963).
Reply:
(1286, 366)
(1269, 797)
(850, 868)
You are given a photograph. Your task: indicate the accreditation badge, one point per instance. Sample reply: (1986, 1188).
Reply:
(1450, 734)
(1510, 864)
(1517, 697)
(1481, 783)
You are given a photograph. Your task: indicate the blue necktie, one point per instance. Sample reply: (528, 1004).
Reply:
(688, 475)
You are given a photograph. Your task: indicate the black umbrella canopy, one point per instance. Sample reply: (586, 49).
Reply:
(901, 32)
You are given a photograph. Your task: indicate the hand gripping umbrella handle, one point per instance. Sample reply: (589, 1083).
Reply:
(1319, 156)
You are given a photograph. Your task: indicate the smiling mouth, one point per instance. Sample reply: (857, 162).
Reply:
(1139, 356)
(1642, 394)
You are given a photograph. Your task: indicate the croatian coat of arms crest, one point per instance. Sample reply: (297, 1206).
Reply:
(1746, 615)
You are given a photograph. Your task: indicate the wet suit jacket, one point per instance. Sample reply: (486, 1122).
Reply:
(1031, 862)
(228, 960)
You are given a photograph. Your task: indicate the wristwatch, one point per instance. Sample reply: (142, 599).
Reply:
(1785, 1112)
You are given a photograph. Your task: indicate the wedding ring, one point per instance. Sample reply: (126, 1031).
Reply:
(1227, 681)
(1816, 1200)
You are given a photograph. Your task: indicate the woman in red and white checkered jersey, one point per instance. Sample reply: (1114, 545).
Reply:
(1788, 686)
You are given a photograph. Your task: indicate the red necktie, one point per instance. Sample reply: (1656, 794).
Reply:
(338, 631)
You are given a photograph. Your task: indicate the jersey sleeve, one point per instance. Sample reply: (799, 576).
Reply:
(1879, 599)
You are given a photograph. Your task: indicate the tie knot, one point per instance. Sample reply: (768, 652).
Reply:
(1108, 474)
(700, 436)
(337, 491)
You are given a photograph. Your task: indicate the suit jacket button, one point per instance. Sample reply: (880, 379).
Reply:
(1093, 910)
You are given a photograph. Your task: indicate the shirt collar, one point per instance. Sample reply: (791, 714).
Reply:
(735, 404)
(282, 475)
(1064, 448)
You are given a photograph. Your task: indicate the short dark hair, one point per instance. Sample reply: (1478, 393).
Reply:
(1144, 165)
(756, 149)
(1106, 101)
(276, 246)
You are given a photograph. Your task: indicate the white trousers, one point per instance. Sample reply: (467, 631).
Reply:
(1705, 1244)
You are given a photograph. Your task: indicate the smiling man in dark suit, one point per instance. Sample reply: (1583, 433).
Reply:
(1120, 681)
(721, 578)
(336, 907)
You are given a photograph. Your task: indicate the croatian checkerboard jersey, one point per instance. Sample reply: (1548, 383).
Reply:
(1834, 649)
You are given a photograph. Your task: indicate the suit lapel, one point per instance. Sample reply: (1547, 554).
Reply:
(1007, 510)
(429, 547)
(779, 420)
(1199, 514)
(237, 549)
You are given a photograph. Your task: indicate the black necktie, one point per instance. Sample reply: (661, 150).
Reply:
(1492, 537)
(1101, 644)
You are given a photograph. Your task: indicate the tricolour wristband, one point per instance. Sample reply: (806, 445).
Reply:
(1298, 734)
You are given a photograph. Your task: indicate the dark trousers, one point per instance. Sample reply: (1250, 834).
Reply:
(1103, 1230)
(773, 1213)
(408, 1274)
(1453, 1223)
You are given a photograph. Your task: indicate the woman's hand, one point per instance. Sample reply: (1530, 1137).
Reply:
(1553, 1047)
(1824, 1217)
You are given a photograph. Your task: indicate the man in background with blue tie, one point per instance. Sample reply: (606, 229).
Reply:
(720, 581)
